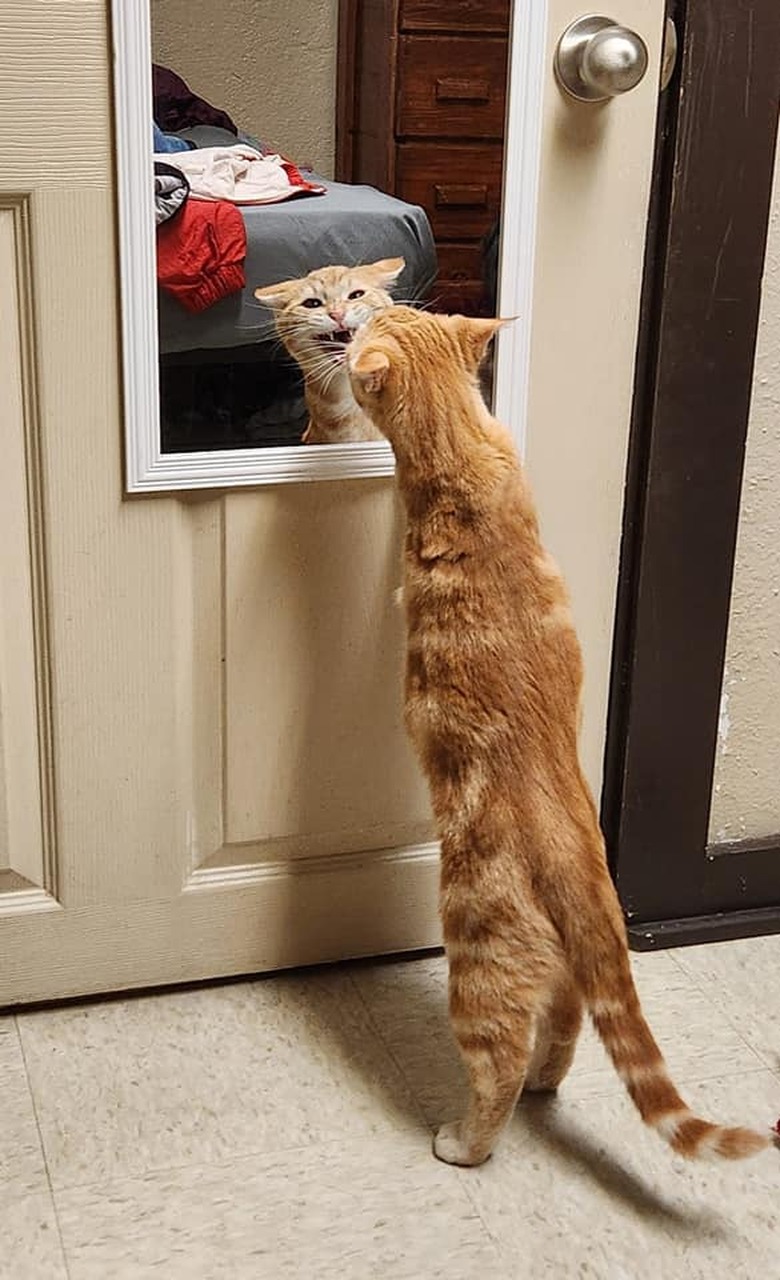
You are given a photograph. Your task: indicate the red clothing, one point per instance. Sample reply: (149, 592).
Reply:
(201, 252)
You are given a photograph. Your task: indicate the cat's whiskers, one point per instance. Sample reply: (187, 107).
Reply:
(265, 330)
(329, 378)
(422, 288)
(414, 302)
(322, 364)
(255, 304)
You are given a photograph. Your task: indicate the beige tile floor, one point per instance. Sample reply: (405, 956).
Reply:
(280, 1130)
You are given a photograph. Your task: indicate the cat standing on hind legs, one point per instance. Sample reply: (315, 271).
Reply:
(532, 925)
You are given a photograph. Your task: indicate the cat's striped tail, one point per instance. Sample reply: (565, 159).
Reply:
(605, 977)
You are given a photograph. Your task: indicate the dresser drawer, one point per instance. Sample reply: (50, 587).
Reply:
(455, 15)
(459, 263)
(458, 286)
(451, 87)
(458, 185)
(464, 299)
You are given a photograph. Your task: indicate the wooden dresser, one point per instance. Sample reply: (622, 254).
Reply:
(420, 114)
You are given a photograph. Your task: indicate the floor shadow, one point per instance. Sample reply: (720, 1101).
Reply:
(541, 1116)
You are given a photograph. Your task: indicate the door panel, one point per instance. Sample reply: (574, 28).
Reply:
(688, 446)
(315, 758)
(223, 782)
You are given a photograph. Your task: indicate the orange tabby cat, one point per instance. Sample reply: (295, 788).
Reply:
(532, 925)
(316, 317)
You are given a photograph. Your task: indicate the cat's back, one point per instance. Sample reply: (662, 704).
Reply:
(473, 560)
(490, 632)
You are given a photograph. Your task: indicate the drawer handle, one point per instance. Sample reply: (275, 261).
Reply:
(462, 91)
(465, 195)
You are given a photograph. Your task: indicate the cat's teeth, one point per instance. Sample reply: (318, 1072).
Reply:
(338, 337)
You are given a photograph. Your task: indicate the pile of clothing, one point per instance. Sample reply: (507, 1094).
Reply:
(201, 236)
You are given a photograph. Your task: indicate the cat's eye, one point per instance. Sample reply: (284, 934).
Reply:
(356, 293)
(312, 302)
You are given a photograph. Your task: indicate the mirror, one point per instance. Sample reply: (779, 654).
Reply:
(291, 138)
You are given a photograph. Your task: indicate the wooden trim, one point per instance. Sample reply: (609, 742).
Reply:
(625, 638)
(660, 935)
(737, 848)
(688, 442)
(237, 875)
(346, 88)
(28, 901)
(34, 857)
(39, 569)
(526, 76)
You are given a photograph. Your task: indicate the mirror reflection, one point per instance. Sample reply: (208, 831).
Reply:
(313, 164)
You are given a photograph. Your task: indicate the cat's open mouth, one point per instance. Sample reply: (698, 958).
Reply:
(339, 338)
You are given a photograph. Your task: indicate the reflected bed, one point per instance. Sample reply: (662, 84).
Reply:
(224, 383)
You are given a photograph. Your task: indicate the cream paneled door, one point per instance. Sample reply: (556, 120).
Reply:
(202, 763)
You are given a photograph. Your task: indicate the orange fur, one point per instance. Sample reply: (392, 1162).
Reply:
(308, 313)
(532, 924)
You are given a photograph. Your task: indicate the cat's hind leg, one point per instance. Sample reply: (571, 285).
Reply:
(557, 1031)
(493, 1025)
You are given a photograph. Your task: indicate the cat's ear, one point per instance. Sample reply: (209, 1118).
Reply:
(473, 335)
(370, 371)
(387, 271)
(276, 295)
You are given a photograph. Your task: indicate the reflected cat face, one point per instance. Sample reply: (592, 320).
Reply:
(318, 315)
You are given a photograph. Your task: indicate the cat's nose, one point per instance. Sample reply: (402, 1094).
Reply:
(338, 316)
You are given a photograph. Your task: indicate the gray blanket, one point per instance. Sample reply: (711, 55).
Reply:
(346, 225)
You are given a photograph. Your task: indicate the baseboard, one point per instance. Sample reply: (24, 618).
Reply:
(723, 926)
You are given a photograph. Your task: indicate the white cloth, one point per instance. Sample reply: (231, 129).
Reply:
(239, 174)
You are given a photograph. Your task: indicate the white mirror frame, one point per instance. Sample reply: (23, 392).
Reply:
(147, 468)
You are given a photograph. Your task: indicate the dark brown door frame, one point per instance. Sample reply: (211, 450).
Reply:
(704, 264)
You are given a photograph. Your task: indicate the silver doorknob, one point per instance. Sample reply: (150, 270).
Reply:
(597, 59)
